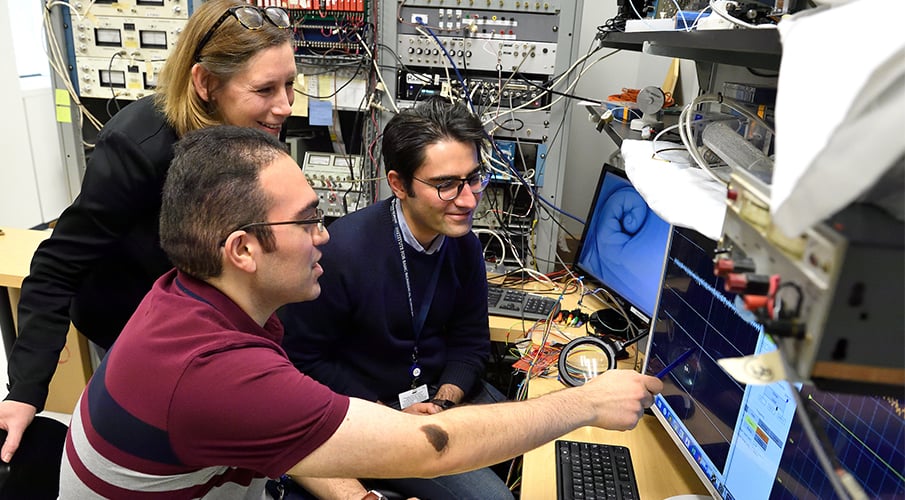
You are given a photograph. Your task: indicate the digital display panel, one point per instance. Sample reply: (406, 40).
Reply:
(624, 244)
(747, 441)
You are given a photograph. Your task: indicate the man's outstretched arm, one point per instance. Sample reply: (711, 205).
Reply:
(375, 441)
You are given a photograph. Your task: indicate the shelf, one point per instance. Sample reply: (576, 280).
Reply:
(619, 131)
(754, 48)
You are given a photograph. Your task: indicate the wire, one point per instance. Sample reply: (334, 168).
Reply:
(58, 63)
(337, 89)
(554, 92)
(686, 130)
(110, 81)
(518, 175)
(640, 17)
(833, 472)
(722, 12)
(495, 235)
(377, 70)
(451, 62)
(509, 122)
(560, 79)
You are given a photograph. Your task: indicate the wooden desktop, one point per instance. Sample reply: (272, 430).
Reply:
(16, 248)
(660, 468)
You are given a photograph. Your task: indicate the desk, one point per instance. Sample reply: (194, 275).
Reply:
(16, 249)
(660, 469)
(504, 329)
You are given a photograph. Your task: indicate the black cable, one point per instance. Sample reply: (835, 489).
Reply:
(344, 85)
(399, 61)
(539, 205)
(591, 51)
(520, 123)
(612, 24)
(362, 144)
(110, 81)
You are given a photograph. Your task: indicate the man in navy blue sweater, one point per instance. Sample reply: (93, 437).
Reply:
(403, 315)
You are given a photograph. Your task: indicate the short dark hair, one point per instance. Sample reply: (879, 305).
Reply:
(412, 130)
(211, 189)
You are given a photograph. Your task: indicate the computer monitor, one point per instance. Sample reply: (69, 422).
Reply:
(745, 441)
(623, 248)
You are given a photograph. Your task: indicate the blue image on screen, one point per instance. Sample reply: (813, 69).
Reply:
(624, 243)
(747, 441)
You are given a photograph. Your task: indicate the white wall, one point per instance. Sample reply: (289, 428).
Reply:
(34, 185)
(19, 205)
(589, 149)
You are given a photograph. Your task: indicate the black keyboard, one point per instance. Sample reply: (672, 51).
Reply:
(502, 301)
(594, 471)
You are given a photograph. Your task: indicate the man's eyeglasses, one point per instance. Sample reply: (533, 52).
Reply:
(449, 190)
(249, 16)
(318, 219)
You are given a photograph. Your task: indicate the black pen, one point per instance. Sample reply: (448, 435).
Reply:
(662, 373)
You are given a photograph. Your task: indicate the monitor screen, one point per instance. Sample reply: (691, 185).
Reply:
(746, 441)
(624, 244)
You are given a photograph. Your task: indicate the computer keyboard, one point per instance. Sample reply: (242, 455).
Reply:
(594, 471)
(502, 301)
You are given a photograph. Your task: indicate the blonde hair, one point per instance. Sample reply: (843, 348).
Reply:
(225, 54)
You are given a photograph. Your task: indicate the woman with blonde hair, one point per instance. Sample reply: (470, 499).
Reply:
(233, 64)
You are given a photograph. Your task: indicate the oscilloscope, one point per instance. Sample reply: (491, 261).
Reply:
(829, 303)
(747, 441)
(836, 295)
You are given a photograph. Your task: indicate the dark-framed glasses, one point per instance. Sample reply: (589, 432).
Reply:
(249, 16)
(317, 220)
(450, 189)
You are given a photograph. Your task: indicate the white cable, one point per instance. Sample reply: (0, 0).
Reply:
(503, 168)
(697, 18)
(686, 131)
(56, 61)
(738, 22)
(386, 89)
(694, 24)
(640, 17)
(539, 277)
(567, 89)
(64, 3)
(498, 238)
(684, 21)
(502, 86)
(474, 91)
(443, 58)
(823, 457)
(571, 68)
(515, 254)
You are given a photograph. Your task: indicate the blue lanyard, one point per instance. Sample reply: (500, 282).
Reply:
(417, 322)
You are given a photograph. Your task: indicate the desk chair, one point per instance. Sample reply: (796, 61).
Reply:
(34, 471)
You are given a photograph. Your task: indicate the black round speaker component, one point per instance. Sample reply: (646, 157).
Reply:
(609, 322)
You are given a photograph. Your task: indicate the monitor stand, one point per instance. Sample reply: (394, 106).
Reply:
(609, 322)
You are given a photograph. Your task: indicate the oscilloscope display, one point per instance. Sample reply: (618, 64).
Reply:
(736, 434)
